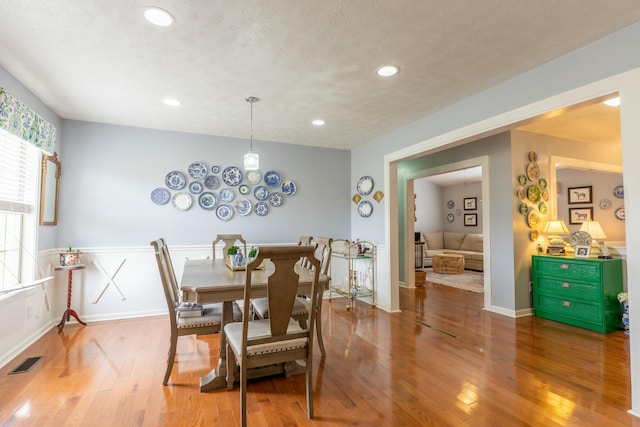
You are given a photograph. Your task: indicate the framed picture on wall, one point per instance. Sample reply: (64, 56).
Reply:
(580, 215)
(579, 195)
(470, 203)
(471, 220)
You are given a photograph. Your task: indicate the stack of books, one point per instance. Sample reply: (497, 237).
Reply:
(190, 309)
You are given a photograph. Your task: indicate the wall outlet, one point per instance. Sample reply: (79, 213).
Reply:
(530, 286)
(29, 311)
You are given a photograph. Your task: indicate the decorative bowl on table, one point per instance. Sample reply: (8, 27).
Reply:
(69, 259)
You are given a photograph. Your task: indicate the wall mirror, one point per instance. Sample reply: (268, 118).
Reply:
(49, 190)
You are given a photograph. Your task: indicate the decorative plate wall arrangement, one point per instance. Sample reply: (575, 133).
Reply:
(532, 193)
(200, 183)
(364, 187)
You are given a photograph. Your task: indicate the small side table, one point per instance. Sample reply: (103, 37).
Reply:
(69, 311)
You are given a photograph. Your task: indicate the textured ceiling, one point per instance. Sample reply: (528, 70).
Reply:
(99, 60)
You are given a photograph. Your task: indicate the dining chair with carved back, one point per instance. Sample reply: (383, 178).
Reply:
(209, 323)
(302, 305)
(229, 240)
(277, 339)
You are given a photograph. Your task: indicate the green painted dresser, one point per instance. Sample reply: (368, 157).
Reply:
(579, 291)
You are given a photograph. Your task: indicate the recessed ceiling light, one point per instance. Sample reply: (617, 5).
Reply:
(388, 71)
(159, 17)
(172, 102)
(613, 102)
(318, 122)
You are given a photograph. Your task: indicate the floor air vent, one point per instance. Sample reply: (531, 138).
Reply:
(26, 365)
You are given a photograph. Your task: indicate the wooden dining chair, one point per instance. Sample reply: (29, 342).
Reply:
(302, 305)
(278, 339)
(229, 240)
(304, 241)
(210, 322)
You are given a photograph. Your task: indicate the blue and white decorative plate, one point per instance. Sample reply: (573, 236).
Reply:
(365, 185)
(619, 192)
(211, 182)
(182, 200)
(451, 204)
(288, 188)
(160, 196)
(175, 180)
(261, 193)
(226, 195)
(619, 213)
(195, 187)
(243, 207)
(215, 168)
(261, 208)
(365, 209)
(244, 189)
(197, 170)
(272, 178)
(232, 176)
(253, 177)
(605, 204)
(207, 200)
(276, 199)
(224, 212)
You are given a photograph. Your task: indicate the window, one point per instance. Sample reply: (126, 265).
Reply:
(19, 166)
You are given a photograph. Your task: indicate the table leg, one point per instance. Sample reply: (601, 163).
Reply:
(217, 378)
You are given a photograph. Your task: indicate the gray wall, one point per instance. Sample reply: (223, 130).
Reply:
(429, 205)
(109, 172)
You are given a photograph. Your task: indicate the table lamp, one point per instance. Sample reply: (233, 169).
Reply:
(597, 234)
(554, 229)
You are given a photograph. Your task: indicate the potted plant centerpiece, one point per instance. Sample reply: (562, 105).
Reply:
(70, 257)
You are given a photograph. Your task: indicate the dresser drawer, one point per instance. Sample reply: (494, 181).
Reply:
(569, 288)
(568, 268)
(559, 306)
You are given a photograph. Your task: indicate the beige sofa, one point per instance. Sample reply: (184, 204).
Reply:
(468, 245)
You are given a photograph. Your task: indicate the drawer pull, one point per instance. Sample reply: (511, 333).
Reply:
(564, 266)
(565, 285)
(566, 303)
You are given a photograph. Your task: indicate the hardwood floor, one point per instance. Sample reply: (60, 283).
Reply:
(443, 361)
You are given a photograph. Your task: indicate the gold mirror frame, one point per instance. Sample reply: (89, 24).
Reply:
(49, 187)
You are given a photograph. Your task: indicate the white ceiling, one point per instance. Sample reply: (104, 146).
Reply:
(100, 61)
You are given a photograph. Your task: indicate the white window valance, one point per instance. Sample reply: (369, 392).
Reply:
(22, 121)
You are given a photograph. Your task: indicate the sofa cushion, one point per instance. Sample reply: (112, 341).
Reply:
(453, 240)
(472, 242)
(433, 240)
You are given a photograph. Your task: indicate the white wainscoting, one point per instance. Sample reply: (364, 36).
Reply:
(98, 293)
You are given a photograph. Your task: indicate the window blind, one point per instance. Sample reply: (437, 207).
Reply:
(18, 177)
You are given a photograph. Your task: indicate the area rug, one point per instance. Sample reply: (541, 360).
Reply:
(472, 281)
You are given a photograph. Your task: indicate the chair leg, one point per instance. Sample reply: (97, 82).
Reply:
(171, 357)
(319, 328)
(243, 395)
(231, 367)
(310, 381)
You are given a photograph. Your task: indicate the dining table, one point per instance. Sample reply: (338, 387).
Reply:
(212, 281)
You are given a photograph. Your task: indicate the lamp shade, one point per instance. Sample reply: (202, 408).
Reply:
(594, 229)
(555, 227)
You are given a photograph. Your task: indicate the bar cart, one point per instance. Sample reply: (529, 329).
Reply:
(353, 270)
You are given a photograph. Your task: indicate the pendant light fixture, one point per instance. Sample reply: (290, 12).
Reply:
(251, 159)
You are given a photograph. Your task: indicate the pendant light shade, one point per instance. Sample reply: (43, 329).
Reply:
(251, 159)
